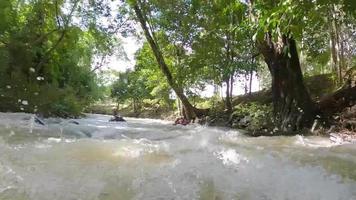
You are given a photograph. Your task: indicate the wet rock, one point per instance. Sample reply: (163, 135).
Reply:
(117, 119)
(73, 122)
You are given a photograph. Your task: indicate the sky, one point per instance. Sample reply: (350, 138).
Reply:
(120, 63)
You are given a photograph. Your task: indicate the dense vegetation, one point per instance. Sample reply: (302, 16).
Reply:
(196, 43)
(49, 52)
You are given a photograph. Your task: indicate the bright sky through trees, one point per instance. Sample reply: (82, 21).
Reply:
(122, 63)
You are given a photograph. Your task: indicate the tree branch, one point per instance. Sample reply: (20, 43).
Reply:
(100, 64)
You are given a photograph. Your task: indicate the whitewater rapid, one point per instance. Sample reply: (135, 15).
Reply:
(152, 159)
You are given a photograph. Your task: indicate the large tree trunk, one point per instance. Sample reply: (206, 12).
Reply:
(190, 112)
(293, 106)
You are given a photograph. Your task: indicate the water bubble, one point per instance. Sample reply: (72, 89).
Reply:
(40, 78)
(8, 86)
(24, 102)
(22, 108)
(36, 93)
(32, 69)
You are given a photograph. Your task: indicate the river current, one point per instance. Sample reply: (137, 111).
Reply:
(151, 159)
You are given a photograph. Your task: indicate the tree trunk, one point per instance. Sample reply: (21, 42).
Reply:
(134, 106)
(337, 54)
(231, 86)
(245, 84)
(228, 105)
(179, 107)
(250, 85)
(293, 107)
(190, 111)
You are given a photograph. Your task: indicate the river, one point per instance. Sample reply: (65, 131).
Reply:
(152, 159)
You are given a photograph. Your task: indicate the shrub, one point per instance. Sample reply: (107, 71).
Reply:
(252, 116)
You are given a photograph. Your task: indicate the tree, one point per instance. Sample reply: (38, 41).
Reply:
(279, 23)
(130, 86)
(146, 66)
(211, 39)
(190, 111)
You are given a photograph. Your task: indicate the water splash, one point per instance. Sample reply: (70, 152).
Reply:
(231, 157)
(32, 121)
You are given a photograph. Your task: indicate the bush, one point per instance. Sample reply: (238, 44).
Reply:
(66, 107)
(252, 116)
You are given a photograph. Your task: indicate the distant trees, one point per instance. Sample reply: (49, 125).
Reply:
(131, 86)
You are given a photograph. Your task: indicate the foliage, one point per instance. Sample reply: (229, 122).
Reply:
(146, 66)
(51, 51)
(46, 57)
(253, 116)
(130, 86)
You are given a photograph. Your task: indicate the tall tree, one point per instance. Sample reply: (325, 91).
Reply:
(280, 24)
(190, 112)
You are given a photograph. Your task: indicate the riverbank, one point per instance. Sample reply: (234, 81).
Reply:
(253, 114)
(338, 134)
(151, 112)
